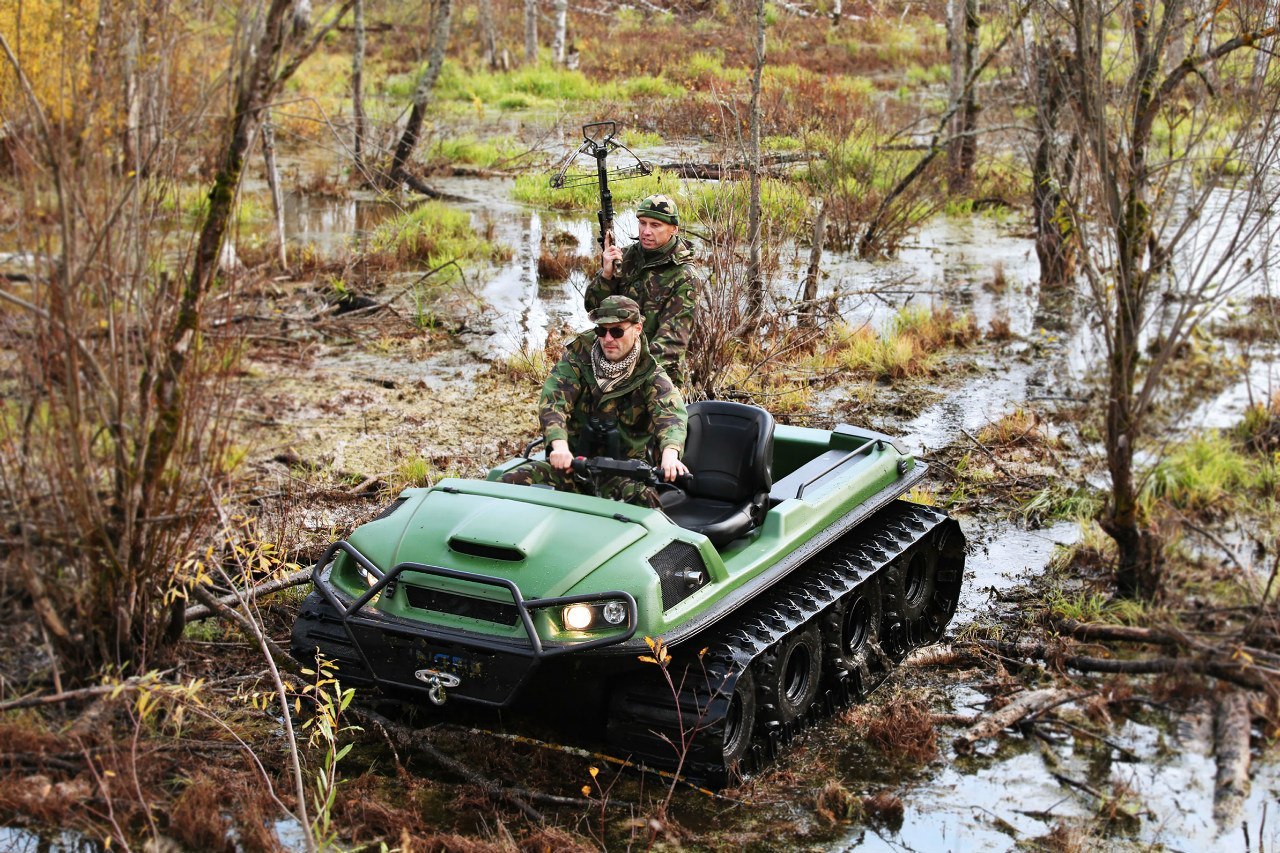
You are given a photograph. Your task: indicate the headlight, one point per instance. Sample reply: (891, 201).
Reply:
(578, 617)
(593, 616)
(614, 612)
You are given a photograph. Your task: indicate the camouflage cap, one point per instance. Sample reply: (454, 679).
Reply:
(616, 309)
(659, 207)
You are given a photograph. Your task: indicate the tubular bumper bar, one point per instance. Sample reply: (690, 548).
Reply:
(361, 621)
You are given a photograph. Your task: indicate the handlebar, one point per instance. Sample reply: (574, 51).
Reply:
(634, 469)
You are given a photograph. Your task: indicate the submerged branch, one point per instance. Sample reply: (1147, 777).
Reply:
(1237, 671)
(1023, 706)
(416, 739)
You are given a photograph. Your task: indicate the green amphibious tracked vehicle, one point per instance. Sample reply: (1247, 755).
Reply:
(785, 577)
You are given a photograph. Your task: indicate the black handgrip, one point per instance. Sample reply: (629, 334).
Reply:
(633, 469)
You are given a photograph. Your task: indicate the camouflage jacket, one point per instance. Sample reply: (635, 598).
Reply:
(666, 289)
(647, 409)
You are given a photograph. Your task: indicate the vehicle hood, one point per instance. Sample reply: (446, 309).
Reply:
(544, 541)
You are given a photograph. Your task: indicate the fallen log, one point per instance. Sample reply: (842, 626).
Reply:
(1097, 633)
(197, 612)
(1024, 705)
(1091, 632)
(721, 171)
(939, 655)
(1231, 752)
(71, 695)
(1236, 671)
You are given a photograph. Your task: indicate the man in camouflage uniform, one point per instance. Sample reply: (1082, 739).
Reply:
(658, 273)
(608, 396)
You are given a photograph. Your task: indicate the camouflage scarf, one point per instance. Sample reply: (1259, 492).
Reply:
(611, 374)
(649, 256)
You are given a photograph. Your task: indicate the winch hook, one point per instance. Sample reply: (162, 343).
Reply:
(436, 682)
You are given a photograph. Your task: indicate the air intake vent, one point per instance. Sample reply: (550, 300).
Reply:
(680, 571)
(395, 505)
(461, 605)
(489, 552)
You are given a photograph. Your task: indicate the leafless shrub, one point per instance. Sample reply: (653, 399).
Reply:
(113, 438)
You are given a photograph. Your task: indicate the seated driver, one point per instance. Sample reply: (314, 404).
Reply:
(607, 396)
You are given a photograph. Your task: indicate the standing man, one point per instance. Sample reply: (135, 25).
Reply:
(608, 396)
(658, 273)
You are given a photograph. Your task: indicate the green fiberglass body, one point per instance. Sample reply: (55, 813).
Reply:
(785, 578)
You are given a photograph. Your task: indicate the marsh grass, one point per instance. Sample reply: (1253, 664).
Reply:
(1209, 474)
(545, 85)
(910, 347)
(487, 154)
(434, 234)
(558, 262)
(1062, 501)
(1021, 427)
(784, 207)
(537, 190)
(529, 366)
(1259, 429)
(1096, 607)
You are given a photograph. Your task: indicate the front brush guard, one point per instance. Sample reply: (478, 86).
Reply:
(486, 670)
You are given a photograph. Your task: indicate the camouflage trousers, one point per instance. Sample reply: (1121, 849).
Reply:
(612, 487)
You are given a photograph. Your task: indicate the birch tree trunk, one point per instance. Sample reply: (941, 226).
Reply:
(133, 98)
(809, 299)
(530, 31)
(562, 25)
(1262, 57)
(488, 32)
(755, 275)
(396, 174)
(357, 85)
(273, 182)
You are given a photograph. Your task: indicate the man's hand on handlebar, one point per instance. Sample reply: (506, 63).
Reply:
(560, 457)
(671, 465)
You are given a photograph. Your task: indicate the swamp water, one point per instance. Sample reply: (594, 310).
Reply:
(1008, 791)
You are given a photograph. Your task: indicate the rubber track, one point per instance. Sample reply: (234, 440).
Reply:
(644, 721)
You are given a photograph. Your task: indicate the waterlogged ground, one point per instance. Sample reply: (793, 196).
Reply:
(373, 404)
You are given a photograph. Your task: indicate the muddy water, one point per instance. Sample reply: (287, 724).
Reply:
(1007, 792)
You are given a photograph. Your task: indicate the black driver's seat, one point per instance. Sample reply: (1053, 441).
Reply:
(729, 452)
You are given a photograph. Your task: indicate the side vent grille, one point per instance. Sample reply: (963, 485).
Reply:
(395, 505)
(680, 571)
(489, 552)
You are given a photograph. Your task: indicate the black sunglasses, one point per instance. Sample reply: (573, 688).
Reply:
(611, 331)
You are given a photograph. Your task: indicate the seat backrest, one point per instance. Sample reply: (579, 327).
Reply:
(729, 450)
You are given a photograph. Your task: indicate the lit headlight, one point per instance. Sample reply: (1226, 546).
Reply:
(589, 617)
(578, 617)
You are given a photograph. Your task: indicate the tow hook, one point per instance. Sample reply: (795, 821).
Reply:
(436, 682)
